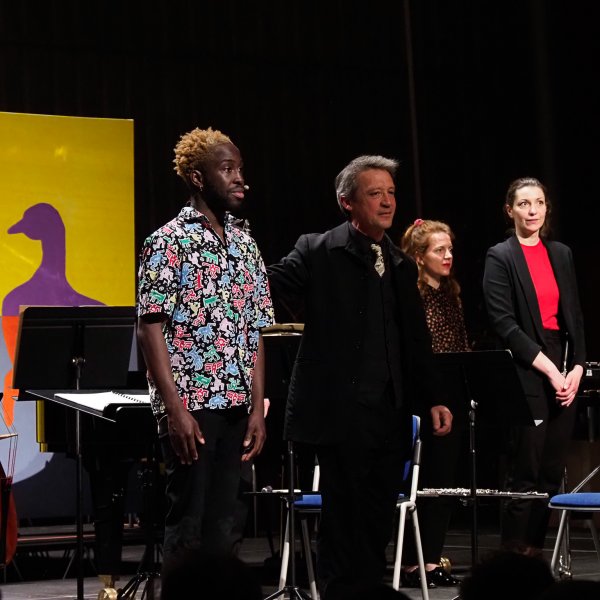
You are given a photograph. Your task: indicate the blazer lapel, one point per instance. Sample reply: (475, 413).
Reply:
(526, 282)
(396, 256)
(562, 281)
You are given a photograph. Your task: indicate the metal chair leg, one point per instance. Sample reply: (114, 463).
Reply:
(399, 546)
(309, 563)
(285, 555)
(424, 588)
(559, 536)
(594, 532)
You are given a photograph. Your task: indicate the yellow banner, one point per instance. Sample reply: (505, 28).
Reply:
(66, 219)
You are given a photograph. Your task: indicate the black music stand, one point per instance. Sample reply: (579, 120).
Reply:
(281, 343)
(281, 346)
(85, 347)
(483, 381)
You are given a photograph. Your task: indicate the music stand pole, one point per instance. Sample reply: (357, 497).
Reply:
(472, 462)
(487, 376)
(148, 570)
(78, 363)
(292, 589)
(473, 454)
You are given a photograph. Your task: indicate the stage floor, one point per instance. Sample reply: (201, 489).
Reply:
(256, 552)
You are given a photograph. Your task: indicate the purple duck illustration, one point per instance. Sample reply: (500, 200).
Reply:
(48, 286)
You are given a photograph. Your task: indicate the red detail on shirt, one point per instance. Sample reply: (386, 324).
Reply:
(544, 281)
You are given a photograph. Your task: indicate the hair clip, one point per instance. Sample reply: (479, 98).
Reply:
(418, 222)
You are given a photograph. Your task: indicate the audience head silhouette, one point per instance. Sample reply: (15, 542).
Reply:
(569, 588)
(377, 591)
(528, 577)
(194, 572)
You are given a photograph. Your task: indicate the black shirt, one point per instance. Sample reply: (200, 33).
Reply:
(380, 378)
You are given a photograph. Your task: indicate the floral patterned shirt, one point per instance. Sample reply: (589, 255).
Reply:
(216, 298)
(445, 320)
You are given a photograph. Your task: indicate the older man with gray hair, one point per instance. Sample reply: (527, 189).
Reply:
(364, 366)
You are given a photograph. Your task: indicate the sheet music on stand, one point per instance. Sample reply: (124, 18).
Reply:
(103, 404)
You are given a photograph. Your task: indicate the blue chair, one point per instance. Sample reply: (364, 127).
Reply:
(575, 501)
(407, 505)
(310, 504)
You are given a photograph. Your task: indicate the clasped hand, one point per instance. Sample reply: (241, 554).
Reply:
(566, 386)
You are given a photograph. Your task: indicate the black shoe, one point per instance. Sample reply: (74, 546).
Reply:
(412, 579)
(441, 578)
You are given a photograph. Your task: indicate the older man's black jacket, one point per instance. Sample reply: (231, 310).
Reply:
(327, 273)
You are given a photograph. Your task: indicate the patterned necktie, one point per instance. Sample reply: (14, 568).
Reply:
(379, 263)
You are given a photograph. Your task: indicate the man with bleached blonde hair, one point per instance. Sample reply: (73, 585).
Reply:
(202, 301)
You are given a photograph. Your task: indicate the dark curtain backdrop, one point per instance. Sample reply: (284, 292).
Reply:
(501, 90)
(506, 90)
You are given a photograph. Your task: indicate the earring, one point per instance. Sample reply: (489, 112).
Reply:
(196, 178)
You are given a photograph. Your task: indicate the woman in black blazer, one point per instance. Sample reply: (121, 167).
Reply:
(532, 302)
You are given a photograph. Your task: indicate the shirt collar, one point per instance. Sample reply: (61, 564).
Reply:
(190, 214)
(364, 241)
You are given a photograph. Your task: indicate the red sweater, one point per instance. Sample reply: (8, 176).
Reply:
(544, 282)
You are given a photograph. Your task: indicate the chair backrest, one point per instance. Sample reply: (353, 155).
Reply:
(585, 480)
(311, 501)
(412, 465)
(316, 476)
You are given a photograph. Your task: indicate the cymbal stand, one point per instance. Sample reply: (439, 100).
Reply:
(293, 591)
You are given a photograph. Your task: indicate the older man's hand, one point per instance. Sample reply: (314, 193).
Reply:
(442, 420)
